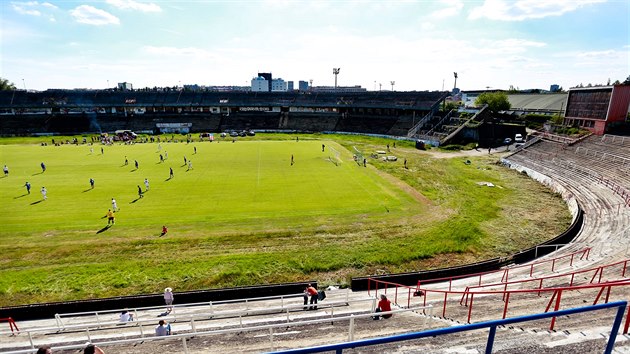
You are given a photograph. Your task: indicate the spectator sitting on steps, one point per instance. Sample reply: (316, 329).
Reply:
(163, 329)
(384, 305)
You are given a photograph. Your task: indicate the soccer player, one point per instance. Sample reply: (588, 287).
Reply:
(110, 217)
(171, 172)
(92, 183)
(146, 183)
(136, 163)
(114, 205)
(44, 193)
(6, 170)
(126, 161)
(140, 192)
(164, 230)
(43, 167)
(28, 187)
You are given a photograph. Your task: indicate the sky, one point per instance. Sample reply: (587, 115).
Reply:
(417, 44)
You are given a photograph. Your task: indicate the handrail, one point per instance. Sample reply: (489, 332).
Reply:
(193, 317)
(185, 336)
(492, 325)
(598, 271)
(556, 294)
(584, 252)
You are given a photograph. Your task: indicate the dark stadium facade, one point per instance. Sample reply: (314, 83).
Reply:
(158, 111)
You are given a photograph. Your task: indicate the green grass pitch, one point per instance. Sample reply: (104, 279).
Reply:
(242, 215)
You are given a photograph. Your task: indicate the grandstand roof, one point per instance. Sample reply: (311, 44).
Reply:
(538, 102)
(422, 100)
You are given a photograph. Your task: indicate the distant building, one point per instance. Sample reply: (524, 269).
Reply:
(597, 108)
(278, 85)
(260, 84)
(125, 86)
(289, 85)
(303, 85)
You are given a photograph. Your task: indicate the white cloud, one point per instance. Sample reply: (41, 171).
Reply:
(452, 8)
(93, 16)
(135, 5)
(503, 10)
(32, 8)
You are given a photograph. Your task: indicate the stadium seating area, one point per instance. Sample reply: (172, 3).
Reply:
(81, 111)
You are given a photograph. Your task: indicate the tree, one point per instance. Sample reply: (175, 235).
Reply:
(496, 101)
(5, 85)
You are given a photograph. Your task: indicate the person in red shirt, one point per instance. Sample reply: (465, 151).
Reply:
(384, 305)
(312, 292)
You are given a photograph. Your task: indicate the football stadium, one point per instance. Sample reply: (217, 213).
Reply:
(280, 222)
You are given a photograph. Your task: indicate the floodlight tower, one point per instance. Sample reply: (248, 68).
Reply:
(393, 83)
(336, 72)
(455, 84)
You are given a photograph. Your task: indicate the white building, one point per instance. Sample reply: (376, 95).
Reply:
(278, 85)
(259, 84)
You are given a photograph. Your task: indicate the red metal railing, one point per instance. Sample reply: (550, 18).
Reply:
(555, 299)
(597, 273)
(583, 253)
(12, 324)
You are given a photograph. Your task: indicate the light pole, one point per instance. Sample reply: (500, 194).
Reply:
(310, 82)
(380, 86)
(24, 84)
(393, 83)
(336, 72)
(455, 84)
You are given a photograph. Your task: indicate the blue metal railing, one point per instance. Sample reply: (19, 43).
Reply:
(492, 325)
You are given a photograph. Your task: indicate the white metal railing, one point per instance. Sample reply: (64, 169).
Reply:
(419, 125)
(193, 319)
(210, 304)
(270, 327)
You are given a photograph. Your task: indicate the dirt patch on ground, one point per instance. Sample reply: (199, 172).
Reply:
(404, 186)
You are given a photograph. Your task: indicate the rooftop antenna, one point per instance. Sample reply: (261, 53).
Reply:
(455, 85)
(336, 72)
(393, 83)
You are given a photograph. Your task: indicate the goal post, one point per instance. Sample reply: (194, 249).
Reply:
(358, 155)
(334, 156)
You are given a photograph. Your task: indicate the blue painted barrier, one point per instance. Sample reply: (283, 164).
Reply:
(492, 325)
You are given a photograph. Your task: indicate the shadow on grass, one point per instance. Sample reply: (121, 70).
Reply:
(37, 202)
(134, 170)
(135, 200)
(104, 229)
(87, 190)
(39, 173)
(168, 179)
(20, 196)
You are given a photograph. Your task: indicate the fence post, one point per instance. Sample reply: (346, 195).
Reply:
(271, 338)
(211, 309)
(141, 329)
(490, 343)
(87, 331)
(185, 345)
(351, 329)
(192, 325)
(348, 294)
(556, 307)
(98, 319)
(472, 297)
(30, 339)
(288, 318)
(58, 320)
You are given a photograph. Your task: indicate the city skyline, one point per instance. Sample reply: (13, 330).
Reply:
(416, 44)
